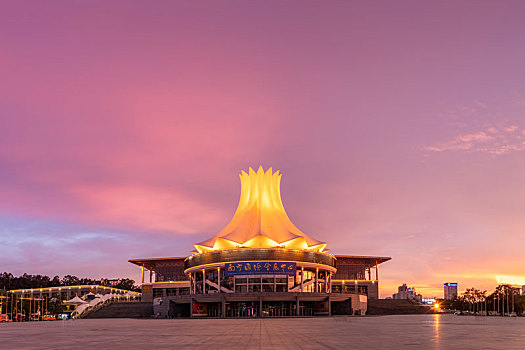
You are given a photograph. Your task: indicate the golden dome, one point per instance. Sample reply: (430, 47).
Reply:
(260, 220)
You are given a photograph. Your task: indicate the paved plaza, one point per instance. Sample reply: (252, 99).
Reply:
(382, 332)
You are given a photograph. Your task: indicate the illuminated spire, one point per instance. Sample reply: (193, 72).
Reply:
(260, 220)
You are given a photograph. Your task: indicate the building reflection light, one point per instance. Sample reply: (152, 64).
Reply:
(436, 326)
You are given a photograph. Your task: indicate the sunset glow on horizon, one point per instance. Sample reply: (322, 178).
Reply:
(399, 128)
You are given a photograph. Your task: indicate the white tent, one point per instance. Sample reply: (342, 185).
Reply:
(80, 309)
(95, 301)
(75, 301)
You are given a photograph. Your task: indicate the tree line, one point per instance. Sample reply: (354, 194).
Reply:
(27, 281)
(503, 300)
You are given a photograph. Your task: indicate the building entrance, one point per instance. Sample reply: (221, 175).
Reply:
(179, 310)
(278, 309)
(242, 309)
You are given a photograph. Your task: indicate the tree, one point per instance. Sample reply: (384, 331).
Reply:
(127, 284)
(69, 280)
(26, 281)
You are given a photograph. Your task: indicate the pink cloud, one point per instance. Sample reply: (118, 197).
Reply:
(511, 128)
(461, 142)
(500, 134)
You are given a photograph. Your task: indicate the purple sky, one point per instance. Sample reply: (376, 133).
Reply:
(399, 128)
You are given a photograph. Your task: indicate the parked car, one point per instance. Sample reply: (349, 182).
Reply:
(5, 318)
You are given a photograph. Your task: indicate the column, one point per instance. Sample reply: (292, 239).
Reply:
(377, 272)
(329, 306)
(150, 276)
(330, 285)
(223, 307)
(142, 268)
(297, 306)
(191, 307)
(260, 306)
(302, 278)
(316, 280)
(219, 278)
(203, 282)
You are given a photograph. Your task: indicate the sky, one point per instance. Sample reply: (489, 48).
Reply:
(399, 128)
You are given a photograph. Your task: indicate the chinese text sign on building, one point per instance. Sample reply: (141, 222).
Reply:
(260, 267)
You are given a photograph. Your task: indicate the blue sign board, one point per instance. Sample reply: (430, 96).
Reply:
(450, 285)
(259, 268)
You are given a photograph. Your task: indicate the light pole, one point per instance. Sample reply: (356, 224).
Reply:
(507, 294)
(494, 302)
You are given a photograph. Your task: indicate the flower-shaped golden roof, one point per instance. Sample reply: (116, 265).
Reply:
(260, 220)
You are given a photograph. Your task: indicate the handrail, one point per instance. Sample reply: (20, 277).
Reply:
(100, 305)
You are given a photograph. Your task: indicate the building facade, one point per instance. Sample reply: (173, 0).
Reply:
(408, 293)
(260, 265)
(450, 290)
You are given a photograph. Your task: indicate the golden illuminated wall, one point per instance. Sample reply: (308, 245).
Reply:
(260, 220)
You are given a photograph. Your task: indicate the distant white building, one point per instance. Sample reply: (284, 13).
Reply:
(522, 290)
(404, 292)
(450, 290)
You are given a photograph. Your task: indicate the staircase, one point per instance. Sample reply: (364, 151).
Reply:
(122, 309)
(306, 283)
(216, 286)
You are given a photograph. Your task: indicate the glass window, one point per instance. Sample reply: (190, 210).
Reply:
(267, 280)
(240, 281)
(267, 288)
(254, 288)
(212, 276)
(170, 273)
(255, 280)
(228, 282)
(198, 288)
(241, 288)
(281, 288)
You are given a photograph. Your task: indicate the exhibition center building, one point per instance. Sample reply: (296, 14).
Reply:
(260, 265)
